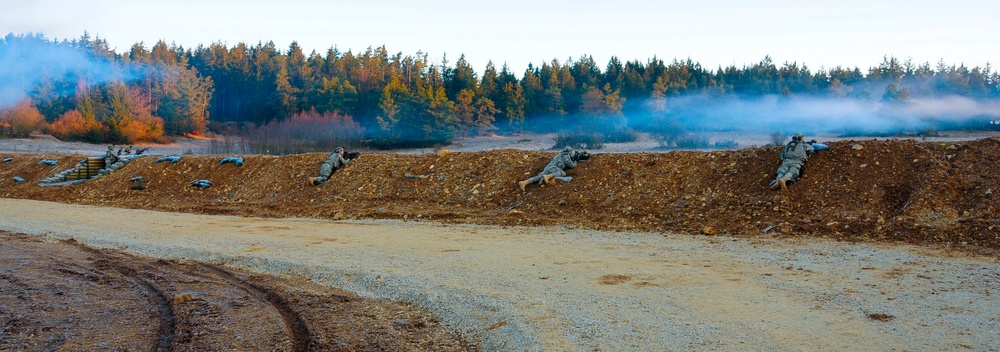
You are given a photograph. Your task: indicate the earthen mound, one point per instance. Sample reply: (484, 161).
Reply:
(897, 190)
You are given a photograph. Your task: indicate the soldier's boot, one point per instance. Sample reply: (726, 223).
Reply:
(548, 179)
(522, 184)
(774, 185)
(784, 183)
(312, 181)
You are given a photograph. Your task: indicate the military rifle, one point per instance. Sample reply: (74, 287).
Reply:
(578, 155)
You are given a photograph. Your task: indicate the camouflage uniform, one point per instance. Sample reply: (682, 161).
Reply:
(334, 162)
(557, 168)
(110, 157)
(793, 158)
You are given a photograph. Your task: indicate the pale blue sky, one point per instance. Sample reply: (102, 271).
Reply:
(712, 32)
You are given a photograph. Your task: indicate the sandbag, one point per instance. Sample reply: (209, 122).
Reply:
(201, 183)
(232, 159)
(820, 146)
(172, 159)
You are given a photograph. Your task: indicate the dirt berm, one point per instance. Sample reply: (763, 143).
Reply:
(895, 190)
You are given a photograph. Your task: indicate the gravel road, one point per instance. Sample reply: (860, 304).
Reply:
(554, 289)
(40, 143)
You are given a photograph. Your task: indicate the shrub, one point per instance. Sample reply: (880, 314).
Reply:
(21, 119)
(72, 126)
(667, 131)
(224, 128)
(226, 145)
(692, 142)
(303, 133)
(579, 141)
(620, 135)
(144, 128)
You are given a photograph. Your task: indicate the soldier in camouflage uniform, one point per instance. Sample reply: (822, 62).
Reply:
(334, 162)
(555, 170)
(110, 157)
(793, 159)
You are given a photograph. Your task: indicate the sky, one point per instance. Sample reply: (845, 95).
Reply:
(714, 33)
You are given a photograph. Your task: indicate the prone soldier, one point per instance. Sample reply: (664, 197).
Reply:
(556, 169)
(793, 158)
(333, 163)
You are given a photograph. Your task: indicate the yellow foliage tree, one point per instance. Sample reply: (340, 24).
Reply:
(143, 128)
(72, 125)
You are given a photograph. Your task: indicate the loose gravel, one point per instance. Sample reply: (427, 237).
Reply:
(561, 288)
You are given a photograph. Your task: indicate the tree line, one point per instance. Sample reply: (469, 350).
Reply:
(398, 99)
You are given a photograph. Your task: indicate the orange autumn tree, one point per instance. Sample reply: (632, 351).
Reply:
(20, 120)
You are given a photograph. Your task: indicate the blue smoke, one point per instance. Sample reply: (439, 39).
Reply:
(702, 113)
(28, 62)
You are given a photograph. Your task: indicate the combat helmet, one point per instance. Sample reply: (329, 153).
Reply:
(339, 149)
(798, 137)
(568, 150)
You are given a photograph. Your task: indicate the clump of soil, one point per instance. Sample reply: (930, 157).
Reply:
(880, 317)
(895, 190)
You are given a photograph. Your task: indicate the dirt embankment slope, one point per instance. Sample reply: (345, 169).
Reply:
(902, 190)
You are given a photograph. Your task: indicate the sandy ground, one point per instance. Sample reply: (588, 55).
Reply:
(41, 143)
(544, 288)
(646, 144)
(513, 288)
(44, 144)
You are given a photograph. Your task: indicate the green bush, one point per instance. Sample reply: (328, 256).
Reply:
(667, 131)
(693, 142)
(579, 141)
(620, 135)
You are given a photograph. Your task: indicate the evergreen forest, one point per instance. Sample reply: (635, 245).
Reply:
(80, 89)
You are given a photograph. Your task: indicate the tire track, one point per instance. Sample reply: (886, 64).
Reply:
(168, 320)
(293, 322)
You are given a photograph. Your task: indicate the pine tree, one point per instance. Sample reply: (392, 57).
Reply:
(460, 78)
(120, 114)
(515, 105)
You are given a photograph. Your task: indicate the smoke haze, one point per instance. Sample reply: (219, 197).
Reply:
(25, 63)
(822, 115)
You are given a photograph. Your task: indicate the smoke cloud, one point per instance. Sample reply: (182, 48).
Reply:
(25, 63)
(821, 115)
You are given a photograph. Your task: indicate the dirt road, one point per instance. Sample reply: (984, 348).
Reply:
(519, 288)
(64, 296)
